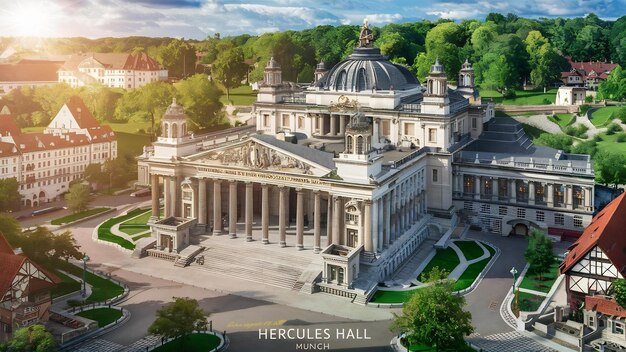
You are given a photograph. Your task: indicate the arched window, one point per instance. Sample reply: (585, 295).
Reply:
(342, 80)
(183, 129)
(349, 145)
(360, 145)
(166, 127)
(174, 131)
(361, 80)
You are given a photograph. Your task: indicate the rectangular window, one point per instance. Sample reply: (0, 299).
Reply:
(578, 221)
(385, 128)
(485, 208)
(266, 120)
(300, 122)
(559, 219)
(503, 210)
(521, 213)
(409, 129)
(591, 321)
(286, 120)
(618, 327)
(432, 135)
(473, 123)
(435, 175)
(540, 216)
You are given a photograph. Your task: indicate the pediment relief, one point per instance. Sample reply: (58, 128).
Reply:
(257, 156)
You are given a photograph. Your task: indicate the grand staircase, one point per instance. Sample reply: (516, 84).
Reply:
(272, 267)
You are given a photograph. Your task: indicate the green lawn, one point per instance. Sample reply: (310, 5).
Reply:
(104, 316)
(473, 270)
(471, 249)
(68, 285)
(609, 144)
(33, 129)
(192, 343)
(102, 289)
(243, 95)
(391, 296)
(77, 216)
(532, 132)
(131, 143)
(104, 230)
(140, 220)
(131, 127)
(522, 97)
(563, 120)
(531, 279)
(529, 302)
(602, 116)
(445, 259)
(137, 225)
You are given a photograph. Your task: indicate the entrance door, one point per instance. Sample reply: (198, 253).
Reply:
(520, 229)
(353, 238)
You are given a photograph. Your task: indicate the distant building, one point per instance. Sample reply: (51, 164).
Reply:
(112, 70)
(45, 163)
(28, 73)
(567, 95)
(586, 74)
(24, 291)
(597, 258)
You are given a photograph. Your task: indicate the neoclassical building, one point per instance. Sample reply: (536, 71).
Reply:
(362, 167)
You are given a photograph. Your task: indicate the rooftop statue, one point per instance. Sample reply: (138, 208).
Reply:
(366, 37)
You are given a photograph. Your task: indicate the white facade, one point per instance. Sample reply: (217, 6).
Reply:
(571, 95)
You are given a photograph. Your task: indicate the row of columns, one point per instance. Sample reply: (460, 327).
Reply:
(531, 194)
(337, 124)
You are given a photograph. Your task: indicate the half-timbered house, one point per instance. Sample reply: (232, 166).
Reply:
(597, 258)
(24, 291)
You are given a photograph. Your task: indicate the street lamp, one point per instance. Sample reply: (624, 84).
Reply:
(85, 260)
(514, 273)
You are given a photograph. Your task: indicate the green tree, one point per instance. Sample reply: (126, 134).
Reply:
(179, 319)
(539, 254)
(10, 228)
(229, 69)
(179, 57)
(614, 87)
(78, 197)
(557, 141)
(51, 99)
(618, 290)
(34, 338)
(482, 37)
(610, 168)
(442, 42)
(9, 194)
(201, 100)
(94, 175)
(434, 315)
(43, 246)
(545, 63)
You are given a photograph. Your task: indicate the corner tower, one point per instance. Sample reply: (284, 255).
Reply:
(436, 100)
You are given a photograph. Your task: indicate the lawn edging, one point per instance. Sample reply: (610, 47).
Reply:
(100, 330)
(484, 272)
(223, 346)
(95, 234)
(62, 226)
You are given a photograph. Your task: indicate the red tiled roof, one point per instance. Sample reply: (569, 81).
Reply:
(606, 230)
(30, 71)
(591, 69)
(604, 305)
(116, 61)
(7, 149)
(5, 247)
(32, 142)
(101, 134)
(8, 126)
(81, 113)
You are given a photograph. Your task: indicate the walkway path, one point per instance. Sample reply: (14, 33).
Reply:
(515, 341)
(458, 271)
(541, 122)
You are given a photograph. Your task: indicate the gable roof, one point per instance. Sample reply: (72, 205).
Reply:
(30, 71)
(81, 113)
(606, 231)
(5, 247)
(319, 157)
(115, 61)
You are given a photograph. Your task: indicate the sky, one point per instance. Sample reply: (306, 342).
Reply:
(197, 19)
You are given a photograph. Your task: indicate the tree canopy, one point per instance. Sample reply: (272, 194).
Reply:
(201, 100)
(179, 319)
(33, 338)
(539, 252)
(78, 197)
(229, 68)
(434, 315)
(9, 194)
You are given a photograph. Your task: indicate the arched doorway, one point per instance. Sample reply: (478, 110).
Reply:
(520, 229)
(42, 197)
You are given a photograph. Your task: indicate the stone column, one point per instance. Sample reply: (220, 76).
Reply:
(249, 207)
(569, 199)
(375, 131)
(202, 202)
(587, 198)
(386, 217)
(329, 221)
(316, 221)
(379, 228)
(232, 209)
(154, 182)
(333, 125)
(477, 187)
(494, 189)
(367, 226)
(342, 125)
(320, 123)
(300, 219)
(512, 196)
(282, 217)
(167, 196)
(217, 207)
(265, 213)
(531, 193)
(336, 220)
(550, 198)
(178, 197)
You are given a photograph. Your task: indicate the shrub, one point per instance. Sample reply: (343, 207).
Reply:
(620, 114)
(588, 99)
(546, 101)
(556, 141)
(613, 128)
(141, 130)
(597, 138)
(583, 109)
(509, 93)
(621, 138)
(577, 131)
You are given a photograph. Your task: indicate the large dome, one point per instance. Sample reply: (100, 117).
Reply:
(367, 69)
